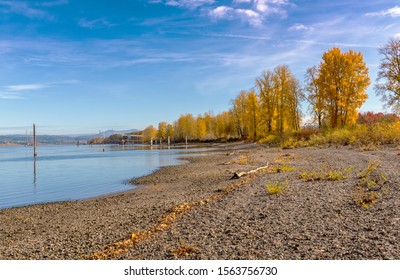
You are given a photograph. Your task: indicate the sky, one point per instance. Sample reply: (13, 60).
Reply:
(81, 66)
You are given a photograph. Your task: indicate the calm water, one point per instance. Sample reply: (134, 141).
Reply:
(72, 172)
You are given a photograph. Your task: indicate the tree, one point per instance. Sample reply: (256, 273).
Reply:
(265, 86)
(201, 129)
(342, 82)
(184, 127)
(287, 94)
(149, 133)
(162, 130)
(239, 113)
(252, 114)
(169, 131)
(388, 80)
(314, 98)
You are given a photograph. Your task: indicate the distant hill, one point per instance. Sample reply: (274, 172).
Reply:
(58, 139)
(107, 133)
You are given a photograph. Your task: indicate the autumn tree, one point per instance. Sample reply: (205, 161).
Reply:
(287, 94)
(388, 80)
(252, 114)
(184, 127)
(149, 133)
(313, 96)
(265, 87)
(162, 130)
(239, 113)
(208, 121)
(201, 129)
(342, 82)
(223, 125)
(169, 131)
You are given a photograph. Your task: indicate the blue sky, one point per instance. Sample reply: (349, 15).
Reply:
(74, 66)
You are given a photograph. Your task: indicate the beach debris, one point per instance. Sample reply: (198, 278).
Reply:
(238, 175)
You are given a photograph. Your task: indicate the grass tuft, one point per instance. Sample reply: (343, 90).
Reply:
(276, 187)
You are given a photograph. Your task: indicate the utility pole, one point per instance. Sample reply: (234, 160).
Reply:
(34, 141)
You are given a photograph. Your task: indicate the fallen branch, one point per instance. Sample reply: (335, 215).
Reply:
(238, 175)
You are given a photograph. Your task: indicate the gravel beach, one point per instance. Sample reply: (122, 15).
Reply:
(335, 203)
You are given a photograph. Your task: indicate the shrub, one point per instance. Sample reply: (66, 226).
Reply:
(365, 198)
(276, 187)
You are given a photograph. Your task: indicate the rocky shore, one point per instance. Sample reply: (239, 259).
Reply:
(331, 203)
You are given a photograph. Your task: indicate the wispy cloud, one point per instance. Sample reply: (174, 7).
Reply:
(393, 12)
(10, 95)
(22, 8)
(191, 4)
(53, 3)
(95, 23)
(238, 36)
(18, 91)
(332, 44)
(24, 87)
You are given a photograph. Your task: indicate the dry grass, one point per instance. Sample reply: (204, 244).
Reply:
(372, 186)
(276, 187)
(326, 174)
(365, 198)
(366, 137)
(281, 168)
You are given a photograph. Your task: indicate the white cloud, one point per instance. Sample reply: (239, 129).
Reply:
(23, 87)
(246, 15)
(252, 12)
(251, 16)
(269, 6)
(299, 27)
(393, 12)
(221, 12)
(397, 36)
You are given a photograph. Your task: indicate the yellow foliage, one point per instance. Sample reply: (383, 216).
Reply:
(337, 88)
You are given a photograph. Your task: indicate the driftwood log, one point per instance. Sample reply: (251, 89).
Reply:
(237, 175)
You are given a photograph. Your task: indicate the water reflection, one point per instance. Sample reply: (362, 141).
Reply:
(34, 172)
(72, 172)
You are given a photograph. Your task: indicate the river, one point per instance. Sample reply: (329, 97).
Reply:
(72, 172)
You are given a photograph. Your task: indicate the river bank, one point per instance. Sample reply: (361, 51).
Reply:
(195, 211)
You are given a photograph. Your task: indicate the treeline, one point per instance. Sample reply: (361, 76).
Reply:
(334, 91)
